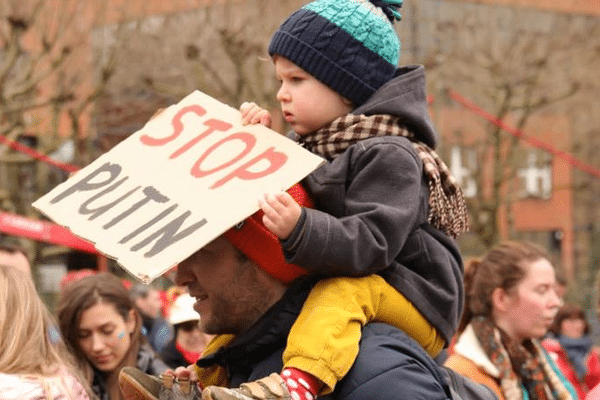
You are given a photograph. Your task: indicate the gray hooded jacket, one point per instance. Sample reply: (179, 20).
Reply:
(371, 212)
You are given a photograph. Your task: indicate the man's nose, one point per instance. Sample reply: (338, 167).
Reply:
(182, 276)
(178, 278)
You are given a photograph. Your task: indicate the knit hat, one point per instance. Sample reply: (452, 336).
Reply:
(260, 245)
(349, 45)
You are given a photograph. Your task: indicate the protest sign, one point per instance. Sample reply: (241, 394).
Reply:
(167, 190)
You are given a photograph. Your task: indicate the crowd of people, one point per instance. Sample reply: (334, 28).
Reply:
(349, 285)
(515, 336)
(98, 329)
(570, 344)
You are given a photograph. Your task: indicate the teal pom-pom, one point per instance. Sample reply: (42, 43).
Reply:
(390, 8)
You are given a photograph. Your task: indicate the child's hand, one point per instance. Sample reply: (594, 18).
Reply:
(282, 213)
(253, 114)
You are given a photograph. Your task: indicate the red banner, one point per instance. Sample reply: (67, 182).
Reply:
(17, 225)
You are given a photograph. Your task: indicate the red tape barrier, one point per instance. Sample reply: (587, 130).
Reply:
(17, 225)
(569, 158)
(36, 154)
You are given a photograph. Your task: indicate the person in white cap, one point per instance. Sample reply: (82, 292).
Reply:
(188, 341)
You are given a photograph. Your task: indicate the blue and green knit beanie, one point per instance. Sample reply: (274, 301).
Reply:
(349, 45)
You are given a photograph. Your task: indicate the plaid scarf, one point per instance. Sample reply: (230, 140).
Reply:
(447, 208)
(518, 364)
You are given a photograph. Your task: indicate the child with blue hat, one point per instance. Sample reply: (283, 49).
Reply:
(387, 207)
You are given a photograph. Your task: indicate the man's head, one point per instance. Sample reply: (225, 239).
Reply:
(13, 255)
(146, 299)
(349, 45)
(237, 277)
(231, 291)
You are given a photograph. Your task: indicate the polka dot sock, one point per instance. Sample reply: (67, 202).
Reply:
(302, 385)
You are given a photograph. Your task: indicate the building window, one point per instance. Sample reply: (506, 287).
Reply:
(463, 165)
(536, 175)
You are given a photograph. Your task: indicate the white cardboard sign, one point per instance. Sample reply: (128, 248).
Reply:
(170, 188)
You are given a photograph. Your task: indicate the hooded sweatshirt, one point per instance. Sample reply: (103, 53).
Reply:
(372, 207)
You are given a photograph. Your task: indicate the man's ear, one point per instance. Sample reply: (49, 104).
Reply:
(347, 102)
(499, 299)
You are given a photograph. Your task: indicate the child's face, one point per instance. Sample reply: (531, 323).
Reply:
(306, 103)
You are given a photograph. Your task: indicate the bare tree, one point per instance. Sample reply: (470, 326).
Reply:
(515, 64)
(47, 85)
(220, 49)
(50, 79)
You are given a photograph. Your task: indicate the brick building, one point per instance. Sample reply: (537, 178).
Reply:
(489, 50)
(484, 50)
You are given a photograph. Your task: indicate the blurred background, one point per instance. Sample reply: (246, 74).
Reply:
(513, 90)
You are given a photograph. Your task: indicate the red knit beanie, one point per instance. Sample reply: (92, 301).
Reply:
(259, 244)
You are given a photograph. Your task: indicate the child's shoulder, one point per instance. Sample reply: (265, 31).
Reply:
(395, 146)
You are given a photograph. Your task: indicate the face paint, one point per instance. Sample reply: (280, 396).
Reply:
(103, 336)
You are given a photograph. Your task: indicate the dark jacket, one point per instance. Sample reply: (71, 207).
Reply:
(173, 357)
(157, 331)
(389, 365)
(372, 203)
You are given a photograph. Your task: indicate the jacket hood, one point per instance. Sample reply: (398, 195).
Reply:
(404, 96)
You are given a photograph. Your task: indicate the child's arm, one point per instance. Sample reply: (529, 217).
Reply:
(382, 204)
(370, 202)
(282, 212)
(381, 208)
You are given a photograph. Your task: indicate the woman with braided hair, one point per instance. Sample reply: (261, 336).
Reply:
(510, 304)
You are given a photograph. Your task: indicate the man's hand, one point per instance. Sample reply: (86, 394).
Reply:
(180, 384)
(253, 114)
(282, 213)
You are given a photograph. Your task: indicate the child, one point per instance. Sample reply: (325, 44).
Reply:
(385, 203)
